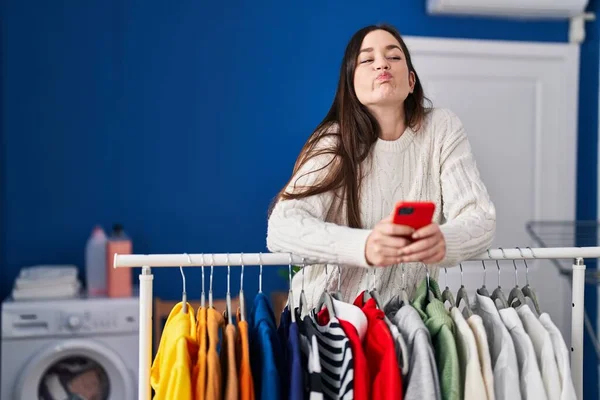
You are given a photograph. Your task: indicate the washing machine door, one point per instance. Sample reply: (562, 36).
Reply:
(73, 370)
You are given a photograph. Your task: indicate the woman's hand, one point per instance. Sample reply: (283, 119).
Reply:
(428, 246)
(386, 242)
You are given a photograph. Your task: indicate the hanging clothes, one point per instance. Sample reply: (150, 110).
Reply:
(473, 387)
(530, 378)
(199, 370)
(214, 376)
(502, 349)
(171, 370)
(337, 363)
(314, 371)
(265, 350)
(245, 379)
(296, 374)
(422, 381)
(441, 327)
(380, 350)
(354, 324)
(562, 358)
(544, 351)
(283, 331)
(483, 350)
(228, 363)
(292, 374)
(400, 346)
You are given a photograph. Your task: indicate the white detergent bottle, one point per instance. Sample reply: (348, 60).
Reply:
(95, 263)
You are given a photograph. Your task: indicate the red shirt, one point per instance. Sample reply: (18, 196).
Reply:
(361, 372)
(386, 381)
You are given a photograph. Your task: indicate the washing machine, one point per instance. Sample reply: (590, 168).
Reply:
(84, 348)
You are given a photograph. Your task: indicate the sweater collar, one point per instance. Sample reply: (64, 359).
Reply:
(397, 145)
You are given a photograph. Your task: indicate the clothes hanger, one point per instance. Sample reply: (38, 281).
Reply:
(302, 302)
(260, 273)
(462, 295)
(290, 302)
(403, 294)
(210, 292)
(202, 296)
(447, 295)
(183, 294)
(497, 294)
(338, 294)
(325, 299)
(527, 289)
(242, 298)
(228, 295)
(430, 294)
(515, 297)
(483, 289)
(190, 262)
(367, 293)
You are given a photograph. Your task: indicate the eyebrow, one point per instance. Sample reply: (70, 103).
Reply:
(388, 47)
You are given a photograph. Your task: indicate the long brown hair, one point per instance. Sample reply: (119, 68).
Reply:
(357, 130)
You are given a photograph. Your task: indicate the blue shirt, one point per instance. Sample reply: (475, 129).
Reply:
(283, 332)
(295, 360)
(265, 350)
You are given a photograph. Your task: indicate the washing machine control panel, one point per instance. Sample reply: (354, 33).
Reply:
(98, 321)
(69, 317)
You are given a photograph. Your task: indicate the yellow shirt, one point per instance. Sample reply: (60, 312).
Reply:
(170, 374)
(199, 375)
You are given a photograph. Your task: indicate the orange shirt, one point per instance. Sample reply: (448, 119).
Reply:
(199, 372)
(214, 323)
(228, 364)
(243, 361)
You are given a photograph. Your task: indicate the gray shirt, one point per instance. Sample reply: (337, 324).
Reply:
(502, 350)
(422, 381)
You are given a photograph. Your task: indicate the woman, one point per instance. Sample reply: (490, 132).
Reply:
(380, 144)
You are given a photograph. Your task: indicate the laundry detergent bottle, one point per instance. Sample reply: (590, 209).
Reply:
(119, 282)
(95, 263)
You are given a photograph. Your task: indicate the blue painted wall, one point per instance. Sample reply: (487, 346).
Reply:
(182, 120)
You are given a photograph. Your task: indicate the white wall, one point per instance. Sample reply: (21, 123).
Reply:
(518, 102)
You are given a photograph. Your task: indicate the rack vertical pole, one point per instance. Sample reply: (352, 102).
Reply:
(145, 345)
(577, 325)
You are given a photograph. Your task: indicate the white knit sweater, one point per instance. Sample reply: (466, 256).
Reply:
(434, 164)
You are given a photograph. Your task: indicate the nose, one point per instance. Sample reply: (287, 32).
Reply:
(382, 63)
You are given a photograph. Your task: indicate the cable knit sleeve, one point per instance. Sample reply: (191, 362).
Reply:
(299, 226)
(469, 214)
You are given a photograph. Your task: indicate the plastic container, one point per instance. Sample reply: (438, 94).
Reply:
(119, 282)
(95, 264)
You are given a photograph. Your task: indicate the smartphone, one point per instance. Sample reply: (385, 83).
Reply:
(415, 214)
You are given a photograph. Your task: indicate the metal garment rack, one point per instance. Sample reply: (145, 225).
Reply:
(577, 254)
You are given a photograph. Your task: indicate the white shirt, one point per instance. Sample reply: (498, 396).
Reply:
(476, 324)
(544, 351)
(468, 358)
(532, 385)
(502, 350)
(562, 358)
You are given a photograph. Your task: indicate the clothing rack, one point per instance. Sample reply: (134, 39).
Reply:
(146, 261)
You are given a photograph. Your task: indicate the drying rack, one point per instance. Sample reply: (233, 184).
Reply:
(147, 261)
(578, 233)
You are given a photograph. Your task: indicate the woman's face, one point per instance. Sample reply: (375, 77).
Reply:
(381, 76)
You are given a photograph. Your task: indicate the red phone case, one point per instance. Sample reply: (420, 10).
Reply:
(415, 214)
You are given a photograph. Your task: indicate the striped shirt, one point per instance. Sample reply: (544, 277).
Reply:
(335, 357)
